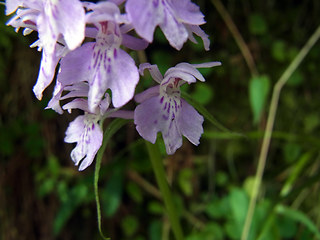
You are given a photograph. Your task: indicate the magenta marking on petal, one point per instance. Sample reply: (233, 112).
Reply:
(155, 3)
(115, 53)
(165, 105)
(161, 100)
(165, 117)
(175, 105)
(92, 126)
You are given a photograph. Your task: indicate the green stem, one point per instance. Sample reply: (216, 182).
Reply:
(269, 128)
(110, 130)
(159, 171)
(237, 36)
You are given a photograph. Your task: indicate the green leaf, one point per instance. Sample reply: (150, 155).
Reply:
(155, 229)
(299, 217)
(134, 192)
(258, 93)
(278, 51)
(296, 79)
(156, 208)
(112, 193)
(257, 24)
(130, 225)
(74, 199)
(203, 93)
(296, 170)
(185, 181)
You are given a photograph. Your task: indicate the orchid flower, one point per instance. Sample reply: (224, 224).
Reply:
(162, 109)
(178, 19)
(58, 23)
(102, 64)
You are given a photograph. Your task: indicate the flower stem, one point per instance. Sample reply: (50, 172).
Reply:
(269, 128)
(159, 171)
(237, 36)
(110, 130)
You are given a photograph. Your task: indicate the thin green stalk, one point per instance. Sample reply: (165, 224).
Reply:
(270, 122)
(159, 171)
(110, 130)
(237, 36)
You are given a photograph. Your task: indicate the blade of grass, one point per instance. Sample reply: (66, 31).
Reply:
(269, 128)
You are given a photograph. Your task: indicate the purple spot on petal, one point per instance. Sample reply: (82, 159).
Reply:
(161, 100)
(155, 3)
(165, 105)
(155, 121)
(109, 69)
(115, 53)
(168, 108)
(165, 117)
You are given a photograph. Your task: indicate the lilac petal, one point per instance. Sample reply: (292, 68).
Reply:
(104, 104)
(124, 114)
(150, 92)
(172, 137)
(207, 64)
(12, 5)
(145, 15)
(190, 123)
(186, 68)
(78, 103)
(87, 133)
(76, 64)
(74, 130)
(187, 12)
(54, 103)
(150, 118)
(175, 32)
(133, 42)
(153, 69)
(124, 78)
(104, 11)
(70, 19)
(146, 118)
(91, 32)
(46, 72)
(199, 32)
(176, 73)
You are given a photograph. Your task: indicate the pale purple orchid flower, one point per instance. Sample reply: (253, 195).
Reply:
(161, 108)
(178, 19)
(86, 130)
(59, 24)
(102, 64)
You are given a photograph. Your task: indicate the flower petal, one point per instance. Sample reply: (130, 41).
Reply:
(123, 79)
(190, 123)
(146, 118)
(145, 15)
(87, 133)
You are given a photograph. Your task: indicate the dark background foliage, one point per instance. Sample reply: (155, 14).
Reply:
(43, 196)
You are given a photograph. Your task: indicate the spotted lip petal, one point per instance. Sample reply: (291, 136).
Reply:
(162, 109)
(86, 132)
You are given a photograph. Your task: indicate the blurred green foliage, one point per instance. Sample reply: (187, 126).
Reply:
(43, 196)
